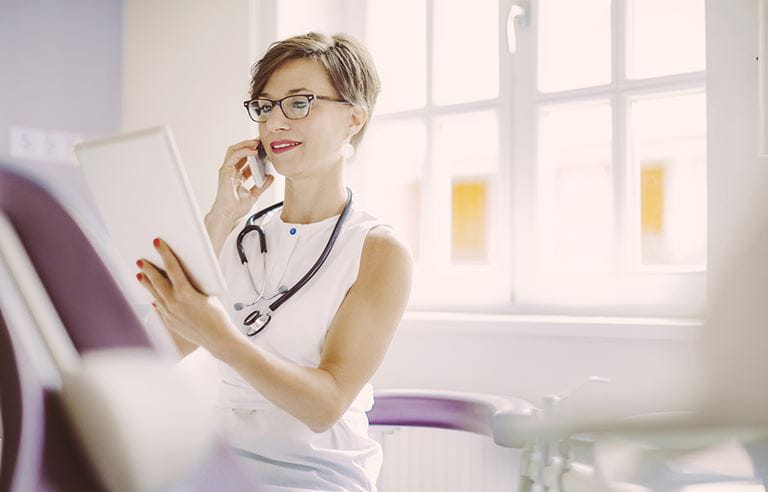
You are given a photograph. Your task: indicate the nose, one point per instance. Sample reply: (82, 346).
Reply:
(276, 120)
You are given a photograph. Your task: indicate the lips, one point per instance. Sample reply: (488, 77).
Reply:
(280, 146)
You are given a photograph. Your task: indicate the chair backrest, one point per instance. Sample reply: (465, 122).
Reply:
(69, 267)
(11, 373)
(44, 447)
(39, 451)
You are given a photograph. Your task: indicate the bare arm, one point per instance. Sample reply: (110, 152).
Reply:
(233, 198)
(219, 225)
(184, 346)
(354, 347)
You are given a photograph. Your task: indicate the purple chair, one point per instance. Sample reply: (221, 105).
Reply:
(471, 412)
(488, 415)
(42, 447)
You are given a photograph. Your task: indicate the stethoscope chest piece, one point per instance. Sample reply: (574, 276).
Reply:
(256, 321)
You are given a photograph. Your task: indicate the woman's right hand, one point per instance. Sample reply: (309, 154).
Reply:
(233, 198)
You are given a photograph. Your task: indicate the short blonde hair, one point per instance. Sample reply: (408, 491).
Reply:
(347, 61)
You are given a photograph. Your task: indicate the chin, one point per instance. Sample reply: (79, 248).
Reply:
(288, 169)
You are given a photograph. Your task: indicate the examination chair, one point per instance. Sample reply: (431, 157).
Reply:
(482, 414)
(87, 400)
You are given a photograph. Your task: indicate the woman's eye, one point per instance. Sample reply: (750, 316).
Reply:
(300, 105)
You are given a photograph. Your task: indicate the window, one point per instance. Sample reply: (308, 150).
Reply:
(610, 125)
(568, 177)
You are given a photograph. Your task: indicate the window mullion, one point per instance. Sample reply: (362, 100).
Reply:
(621, 181)
(506, 225)
(524, 121)
(430, 233)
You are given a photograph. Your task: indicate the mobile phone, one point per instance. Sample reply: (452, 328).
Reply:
(260, 166)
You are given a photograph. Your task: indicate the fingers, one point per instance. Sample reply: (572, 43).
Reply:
(162, 313)
(235, 152)
(245, 170)
(245, 144)
(237, 169)
(237, 159)
(154, 281)
(176, 274)
(256, 190)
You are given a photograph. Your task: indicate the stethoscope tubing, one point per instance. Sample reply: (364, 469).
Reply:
(252, 226)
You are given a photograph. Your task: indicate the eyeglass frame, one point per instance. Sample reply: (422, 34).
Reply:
(279, 103)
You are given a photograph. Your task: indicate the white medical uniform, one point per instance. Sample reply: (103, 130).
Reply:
(280, 450)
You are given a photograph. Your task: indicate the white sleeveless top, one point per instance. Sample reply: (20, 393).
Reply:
(281, 450)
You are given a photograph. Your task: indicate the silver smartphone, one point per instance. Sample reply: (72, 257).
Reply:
(260, 166)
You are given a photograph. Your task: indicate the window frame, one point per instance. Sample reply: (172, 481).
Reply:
(679, 294)
(667, 291)
(481, 301)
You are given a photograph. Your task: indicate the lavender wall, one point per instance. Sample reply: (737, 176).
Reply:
(60, 66)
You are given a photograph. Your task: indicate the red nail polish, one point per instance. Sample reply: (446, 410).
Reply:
(139, 263)
(153, 304)
(139, 276)
(156, 242)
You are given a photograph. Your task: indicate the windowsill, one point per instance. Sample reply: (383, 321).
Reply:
(552, 325)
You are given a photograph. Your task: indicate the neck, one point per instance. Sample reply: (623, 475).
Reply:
(314, 198)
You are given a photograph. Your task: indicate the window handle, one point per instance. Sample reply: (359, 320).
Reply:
(515, 10)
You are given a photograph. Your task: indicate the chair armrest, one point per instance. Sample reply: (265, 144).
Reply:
(471, 412)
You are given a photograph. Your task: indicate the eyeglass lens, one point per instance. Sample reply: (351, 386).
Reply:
(294, 107)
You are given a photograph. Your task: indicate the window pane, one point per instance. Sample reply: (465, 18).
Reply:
(664, 37)
(466, 51)
(466, 158)
(401, 60)
(467, 143)
(668, 150)
(393, 154)
(574, 40)
(575, 201)
(469, 224)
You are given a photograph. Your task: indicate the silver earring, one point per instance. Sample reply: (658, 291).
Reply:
(347, 150)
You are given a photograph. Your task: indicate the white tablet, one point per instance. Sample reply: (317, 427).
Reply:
(142, 192)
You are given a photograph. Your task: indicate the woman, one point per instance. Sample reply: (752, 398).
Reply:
(293, 397)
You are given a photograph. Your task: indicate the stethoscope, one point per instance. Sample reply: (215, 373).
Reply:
(256, 320)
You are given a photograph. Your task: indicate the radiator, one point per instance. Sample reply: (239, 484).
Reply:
(436, 460)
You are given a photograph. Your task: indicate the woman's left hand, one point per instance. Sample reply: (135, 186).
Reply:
(199, 318)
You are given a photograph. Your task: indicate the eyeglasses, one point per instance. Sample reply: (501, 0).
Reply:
(293, 107)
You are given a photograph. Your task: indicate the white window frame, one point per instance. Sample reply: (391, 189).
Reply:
(657, 291)
(489, 291)
(679, 294)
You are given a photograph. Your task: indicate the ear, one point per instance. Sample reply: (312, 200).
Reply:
(358, 115)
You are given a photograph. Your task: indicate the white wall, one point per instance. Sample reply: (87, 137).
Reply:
(651, 366)
(737, 177)
(187, 64)
(736, 338)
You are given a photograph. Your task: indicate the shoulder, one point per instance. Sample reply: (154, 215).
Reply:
(385, 276)
(385, 252)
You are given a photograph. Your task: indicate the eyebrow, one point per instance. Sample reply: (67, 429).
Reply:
(292, 91)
